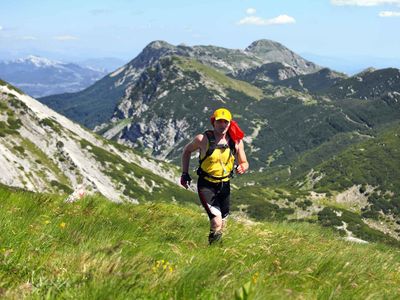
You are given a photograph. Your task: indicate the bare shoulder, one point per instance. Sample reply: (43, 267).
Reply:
(196, 143)
(199, 138)
(239, 146)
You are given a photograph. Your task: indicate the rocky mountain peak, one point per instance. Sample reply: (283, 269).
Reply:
(264, 45)
(366, 71)
(151, 53)
(328, 73)
(158, 44)
(269, 51)
(37, 61)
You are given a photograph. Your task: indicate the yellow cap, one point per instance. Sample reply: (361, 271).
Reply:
(222, 113)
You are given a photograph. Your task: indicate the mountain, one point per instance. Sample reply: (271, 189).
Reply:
(369, 84)
(270, 72)
(351, 179)
(166, 96)
(170, 103)
(43, 151)
(163, 97)
(269, 51)
(38, 76)
(352, 64)
(373, 162)
(95, 105)
(280, 123)
(314, 82)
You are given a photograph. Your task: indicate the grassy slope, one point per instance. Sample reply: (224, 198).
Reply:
(374, 162)
(97, 249)
(283, 175)
(220, 78)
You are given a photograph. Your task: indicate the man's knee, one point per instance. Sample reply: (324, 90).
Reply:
(216, 223)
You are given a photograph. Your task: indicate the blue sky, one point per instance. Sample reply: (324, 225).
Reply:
(73, 30)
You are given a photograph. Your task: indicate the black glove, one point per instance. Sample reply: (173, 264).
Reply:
(185, 180)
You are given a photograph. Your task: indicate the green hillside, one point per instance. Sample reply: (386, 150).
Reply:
(371, 84)
(219, 78)
(365, 167)
(284, 175)
(374, 162)
(89, 107)
(95, 249)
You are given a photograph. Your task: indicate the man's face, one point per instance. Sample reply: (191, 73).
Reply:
(221, 126)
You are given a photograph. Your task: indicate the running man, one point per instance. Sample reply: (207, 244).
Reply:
(218, 149)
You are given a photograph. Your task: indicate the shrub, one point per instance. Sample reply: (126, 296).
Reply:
(61, 187)
(20, 149)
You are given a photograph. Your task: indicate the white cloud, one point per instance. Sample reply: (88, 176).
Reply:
(251, 11)
(387, 14)
(282, 19)
(279, 20)
(65, 38)
(364, 2)
(1, 27)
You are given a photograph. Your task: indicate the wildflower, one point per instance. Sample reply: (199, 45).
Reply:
(163, 265)
(62, 225)
(47, 222)
(255, 278)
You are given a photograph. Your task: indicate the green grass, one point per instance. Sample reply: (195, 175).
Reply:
(51, 123)
(220, 78)
(373, 162)
(122, 172)
(96, 249)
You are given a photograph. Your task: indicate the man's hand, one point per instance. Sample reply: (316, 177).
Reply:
(185, 180)
(241, 168)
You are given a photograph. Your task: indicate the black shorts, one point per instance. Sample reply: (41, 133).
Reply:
(215, 197)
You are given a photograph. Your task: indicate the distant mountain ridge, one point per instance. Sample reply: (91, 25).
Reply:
(166, 94)
(39, 76)
(42, 151)
(314, 82)
(110, 90)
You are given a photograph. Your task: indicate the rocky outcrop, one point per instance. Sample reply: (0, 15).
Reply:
(40, 150)
(269, 51)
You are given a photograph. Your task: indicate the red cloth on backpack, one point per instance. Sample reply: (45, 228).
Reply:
(235, 132)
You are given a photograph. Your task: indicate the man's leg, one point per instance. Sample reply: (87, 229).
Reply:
(218, 223)
(208, 195)
(215, 226)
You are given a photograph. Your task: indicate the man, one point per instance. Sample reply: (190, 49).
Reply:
(218, 149)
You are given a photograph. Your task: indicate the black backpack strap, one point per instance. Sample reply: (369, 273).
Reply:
(211, 145)
(232, 145)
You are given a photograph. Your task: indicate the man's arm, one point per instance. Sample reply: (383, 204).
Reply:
(187, 151)
(242, 159)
